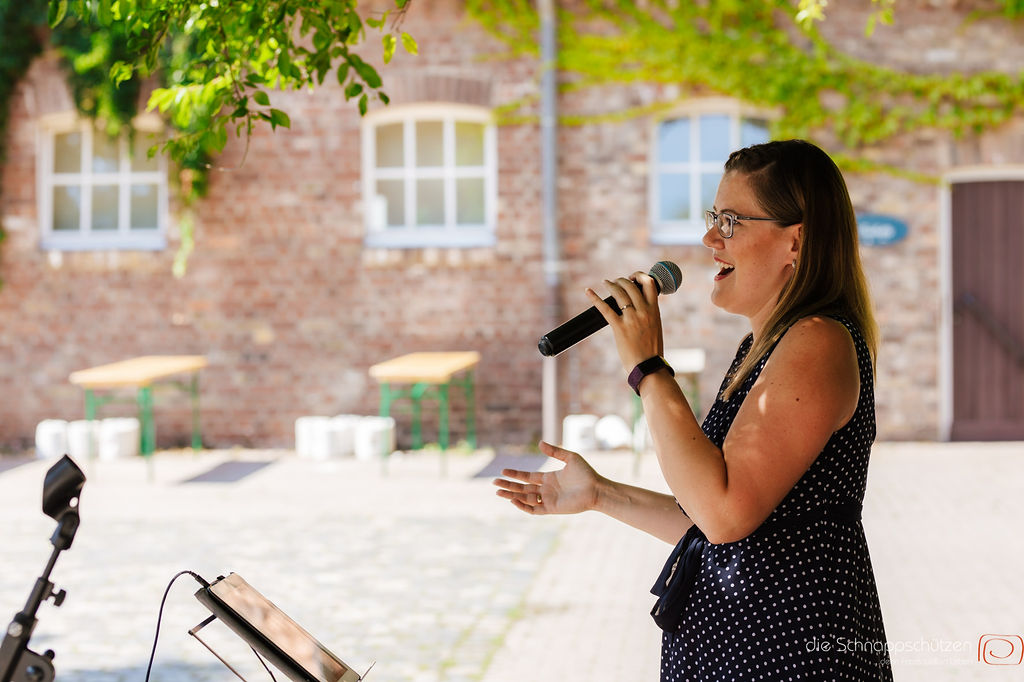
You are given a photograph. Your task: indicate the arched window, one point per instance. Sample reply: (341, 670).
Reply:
(430, 176)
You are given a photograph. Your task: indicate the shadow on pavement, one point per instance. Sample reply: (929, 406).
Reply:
(509, 461)
(8, 463)
(228, 472)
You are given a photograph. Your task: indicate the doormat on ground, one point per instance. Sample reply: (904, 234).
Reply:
(527, 462)
(229, 472)
(8, 463)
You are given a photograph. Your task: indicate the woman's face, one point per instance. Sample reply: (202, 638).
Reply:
(757, 261)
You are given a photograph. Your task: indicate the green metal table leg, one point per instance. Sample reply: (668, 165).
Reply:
(416, 394)
(91, 406)
(148, 436)
(638, 410)
(385, 400)
(442, 394)
(197, 439)
(470, 411)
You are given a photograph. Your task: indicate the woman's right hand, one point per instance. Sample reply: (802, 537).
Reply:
(570, 490)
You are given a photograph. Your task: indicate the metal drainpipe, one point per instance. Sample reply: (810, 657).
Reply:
(552, 252)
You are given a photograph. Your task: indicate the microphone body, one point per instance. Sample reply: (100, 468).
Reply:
(667, 277)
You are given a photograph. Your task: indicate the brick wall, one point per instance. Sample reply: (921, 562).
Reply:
(291, 309)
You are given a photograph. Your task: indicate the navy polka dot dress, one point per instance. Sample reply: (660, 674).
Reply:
(795, 600)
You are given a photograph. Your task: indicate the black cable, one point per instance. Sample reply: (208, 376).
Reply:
(160, 615)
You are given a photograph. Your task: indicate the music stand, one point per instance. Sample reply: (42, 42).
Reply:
(62, 488)
(270, 632)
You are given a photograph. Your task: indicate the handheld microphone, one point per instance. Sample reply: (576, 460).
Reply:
(667, 277)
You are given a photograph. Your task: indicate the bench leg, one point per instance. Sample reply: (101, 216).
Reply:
(91, 407)
(470, 411)
(442, 394)
(147, 439)
(416, 395)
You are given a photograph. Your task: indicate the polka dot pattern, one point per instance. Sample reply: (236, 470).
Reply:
(797, 602)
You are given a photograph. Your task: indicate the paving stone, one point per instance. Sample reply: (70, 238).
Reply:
(440, 581)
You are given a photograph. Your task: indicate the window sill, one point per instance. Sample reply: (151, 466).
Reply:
(148, 242)
(670, 237)
(413, 239)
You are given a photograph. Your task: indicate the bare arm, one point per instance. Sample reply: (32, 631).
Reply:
(652, 512)
(807, 390)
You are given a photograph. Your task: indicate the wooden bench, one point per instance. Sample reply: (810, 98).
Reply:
(141, 373)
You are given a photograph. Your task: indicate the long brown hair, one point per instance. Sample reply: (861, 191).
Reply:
(796, 182)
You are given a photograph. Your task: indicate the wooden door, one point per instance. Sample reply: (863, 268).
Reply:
(988, 306)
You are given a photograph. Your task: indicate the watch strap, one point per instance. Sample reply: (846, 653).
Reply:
(648, 366)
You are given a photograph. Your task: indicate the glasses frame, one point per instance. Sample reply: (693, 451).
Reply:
(713, 220)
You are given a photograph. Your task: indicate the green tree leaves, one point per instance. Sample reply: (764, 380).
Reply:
(365, 71)
(222, 60)
(58, 10)
(409, 44)
(765, 52)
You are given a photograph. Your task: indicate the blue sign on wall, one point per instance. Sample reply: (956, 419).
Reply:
(874, 229)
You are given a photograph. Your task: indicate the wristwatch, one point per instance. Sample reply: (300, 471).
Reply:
(648, 366)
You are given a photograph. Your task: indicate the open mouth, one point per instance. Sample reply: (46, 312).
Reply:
(724, 271)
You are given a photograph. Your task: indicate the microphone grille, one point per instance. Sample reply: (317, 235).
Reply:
(668, 276)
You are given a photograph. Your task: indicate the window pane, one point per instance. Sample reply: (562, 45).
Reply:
(708, 188)
(429, 143)
(714, 138)
(144, 213)
(674, 194)
(66, 207)
(469, 201)
(104, 153)
(67, 154)
(389, 146)
(388, 207)
(104, 207)
(674, 141)
(469, 144)
(140, 160)
(753, 131)
(430, 202)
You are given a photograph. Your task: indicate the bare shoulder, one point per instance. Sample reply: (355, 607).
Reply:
(817, 358)
(823, 336)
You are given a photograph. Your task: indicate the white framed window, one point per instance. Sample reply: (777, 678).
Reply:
(688, 155)
(430, 177)
(98, 192)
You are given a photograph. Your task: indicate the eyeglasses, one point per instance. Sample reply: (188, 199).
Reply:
(726, 222)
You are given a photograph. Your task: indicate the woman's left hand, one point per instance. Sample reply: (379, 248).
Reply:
(637, 330)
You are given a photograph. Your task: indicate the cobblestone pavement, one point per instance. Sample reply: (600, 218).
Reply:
(436, 579)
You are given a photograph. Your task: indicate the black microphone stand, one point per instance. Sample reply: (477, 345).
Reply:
(18, 663)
